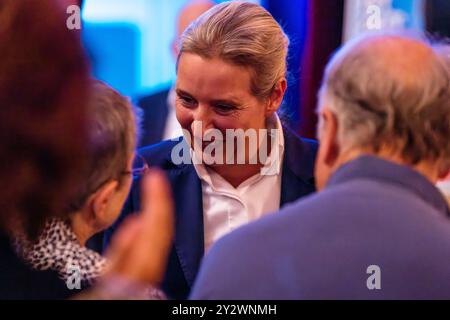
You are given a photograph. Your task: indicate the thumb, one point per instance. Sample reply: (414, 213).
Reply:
(157, 205)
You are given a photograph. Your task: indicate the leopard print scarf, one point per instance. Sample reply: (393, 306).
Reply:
(58, 249)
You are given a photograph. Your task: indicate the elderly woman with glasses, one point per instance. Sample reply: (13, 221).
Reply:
(97, 201)
(237, 162)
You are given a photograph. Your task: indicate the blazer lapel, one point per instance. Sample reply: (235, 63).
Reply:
(298, 168)
(189, 243)
(187, 196)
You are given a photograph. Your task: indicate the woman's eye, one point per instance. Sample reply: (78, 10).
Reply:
(222, 108)
(187, 101)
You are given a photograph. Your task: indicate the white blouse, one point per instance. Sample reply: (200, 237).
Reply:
(226, 208)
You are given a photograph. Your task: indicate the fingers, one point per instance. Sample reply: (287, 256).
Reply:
(122, 240)
(125, 234)
(140, 249)
(157, 207)
(156, 193)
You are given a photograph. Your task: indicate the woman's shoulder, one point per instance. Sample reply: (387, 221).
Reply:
(161, 154)
(19, 281)
(58, 249)
(300, 154)
(298, 143)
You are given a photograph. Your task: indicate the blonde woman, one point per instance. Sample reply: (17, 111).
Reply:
(231, 78)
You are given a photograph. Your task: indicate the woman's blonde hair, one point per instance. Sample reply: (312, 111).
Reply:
(243, 34)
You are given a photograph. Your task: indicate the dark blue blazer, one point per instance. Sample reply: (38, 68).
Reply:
(377, 231)
(154, 115)
(188, 250)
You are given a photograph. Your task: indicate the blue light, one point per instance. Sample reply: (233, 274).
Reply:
(130, 42)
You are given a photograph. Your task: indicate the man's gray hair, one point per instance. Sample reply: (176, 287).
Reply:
(379, 103)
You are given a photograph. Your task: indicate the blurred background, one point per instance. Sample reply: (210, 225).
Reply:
(129, 41)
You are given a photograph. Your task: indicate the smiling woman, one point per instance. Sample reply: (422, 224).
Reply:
(222, 100)
(231, 75)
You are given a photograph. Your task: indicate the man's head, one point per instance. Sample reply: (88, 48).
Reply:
(190, 12)
(107, 178)
(385, 95)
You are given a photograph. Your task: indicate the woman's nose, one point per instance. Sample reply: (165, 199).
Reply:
(202, 119)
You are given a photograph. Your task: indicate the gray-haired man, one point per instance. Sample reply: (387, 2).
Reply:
(379, 228)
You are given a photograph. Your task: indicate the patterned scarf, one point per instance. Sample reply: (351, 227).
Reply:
(58, 249)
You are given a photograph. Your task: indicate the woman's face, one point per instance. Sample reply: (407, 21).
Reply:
(217, 94)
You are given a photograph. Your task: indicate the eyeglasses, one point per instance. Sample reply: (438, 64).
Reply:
(140, 167)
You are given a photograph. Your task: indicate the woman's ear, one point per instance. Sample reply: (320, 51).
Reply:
(276, 97)
(101, 198)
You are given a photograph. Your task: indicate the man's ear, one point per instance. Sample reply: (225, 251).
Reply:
(444, 172)
(276, 97)
(329, 137)
(101, 198)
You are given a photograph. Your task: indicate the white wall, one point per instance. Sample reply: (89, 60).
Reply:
(371, 15)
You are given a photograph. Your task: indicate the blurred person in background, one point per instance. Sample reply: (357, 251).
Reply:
(231, 76)
(159, 119)
(44, 134)
(378, 228)
(437, 17)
